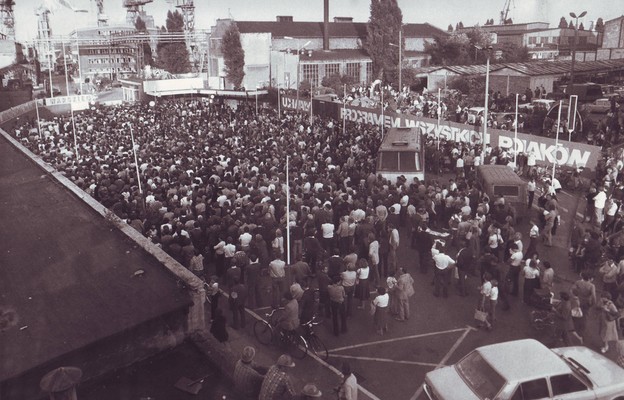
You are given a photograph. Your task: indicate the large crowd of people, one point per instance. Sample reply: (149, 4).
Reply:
(209, 185)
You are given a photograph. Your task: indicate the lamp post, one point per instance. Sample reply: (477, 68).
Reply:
(573, 15)
(257, 100)
(487, 94)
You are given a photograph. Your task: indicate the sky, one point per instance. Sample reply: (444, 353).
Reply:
(439, 13)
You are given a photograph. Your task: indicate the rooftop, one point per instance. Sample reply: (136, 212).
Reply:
(67, 275)
(336, 29)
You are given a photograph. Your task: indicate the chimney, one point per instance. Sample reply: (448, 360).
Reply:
(325, 25)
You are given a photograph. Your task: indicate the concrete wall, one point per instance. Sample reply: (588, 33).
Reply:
(257, 59)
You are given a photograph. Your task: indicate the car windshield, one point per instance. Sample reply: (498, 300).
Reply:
(484, 381)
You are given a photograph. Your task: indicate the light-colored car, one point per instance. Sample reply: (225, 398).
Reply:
(475, 113)
(527, 370)
(600, 106)
(536, 103)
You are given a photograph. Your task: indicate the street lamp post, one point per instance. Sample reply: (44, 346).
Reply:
(487, 93)
(400, 46)
(573, 15)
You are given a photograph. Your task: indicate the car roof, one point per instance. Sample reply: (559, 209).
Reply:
(523, 360)
(477, 109)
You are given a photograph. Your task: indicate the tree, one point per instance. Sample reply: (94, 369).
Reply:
(461, 25)
(383, 28)
(233, 55)
(581, 27)
(512, 53)
(571, 25)
(140, 26)
(459, 47)
(563, 23)
(174, 56)
(175, 21)
(450, 28)
(599, 25)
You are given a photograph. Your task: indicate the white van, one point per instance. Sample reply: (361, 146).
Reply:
(401, 154)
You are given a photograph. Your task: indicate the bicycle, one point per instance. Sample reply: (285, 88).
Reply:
(267, 332)
(314, 342)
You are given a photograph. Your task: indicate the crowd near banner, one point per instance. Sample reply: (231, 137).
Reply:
(17, 111)
(546, 150)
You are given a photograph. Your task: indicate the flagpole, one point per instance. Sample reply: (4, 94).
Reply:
(516, 134)
(287, 213)
(557, 139)
(38, 121)
(136, 162)
(382, 111)
(344, 109)
(439, 114)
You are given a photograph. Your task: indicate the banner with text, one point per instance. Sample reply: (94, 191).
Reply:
(546, 150)
(81, 98)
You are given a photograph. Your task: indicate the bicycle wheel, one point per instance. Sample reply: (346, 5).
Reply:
(318, 347)
(297, 346)
(263, 332)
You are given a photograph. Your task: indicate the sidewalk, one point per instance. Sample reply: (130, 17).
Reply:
(309, 370)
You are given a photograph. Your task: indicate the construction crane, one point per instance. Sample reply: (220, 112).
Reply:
(134, 9)
(45, 51)
(7, 19)
(505, 12)
(102, 19)
(187, 9)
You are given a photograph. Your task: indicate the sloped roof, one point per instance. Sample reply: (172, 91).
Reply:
(564, 67)
(336, 29)
(535, 68)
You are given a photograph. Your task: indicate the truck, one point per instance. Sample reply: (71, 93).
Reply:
(502, 180)
(401, 154)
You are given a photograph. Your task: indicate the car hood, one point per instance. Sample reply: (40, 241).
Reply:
(447, 384)
(602, 371)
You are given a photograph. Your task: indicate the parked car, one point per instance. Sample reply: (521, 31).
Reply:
(600, 106)
(505, 120)
(475, 113)
(528, 107)
(526, 369)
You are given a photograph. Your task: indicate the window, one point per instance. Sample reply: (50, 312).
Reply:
(408, 161)
(544, 39)
(532, 40)
(353, 70)
(369, 72)
(388, 160)
(332, 69)
(506, 190)
(564, 384)
(532, 390)
(484, 380)
(310, 73)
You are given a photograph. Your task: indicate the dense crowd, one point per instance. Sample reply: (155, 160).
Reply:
(212, 187)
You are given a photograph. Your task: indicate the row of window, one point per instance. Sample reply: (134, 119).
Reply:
(112, 50)
(533, 40)
(109, 60)
(310, 72)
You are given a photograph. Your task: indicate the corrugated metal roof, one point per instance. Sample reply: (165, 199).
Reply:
(535, 68)
(336, 29)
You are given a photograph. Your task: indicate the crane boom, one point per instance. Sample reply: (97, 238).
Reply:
(505, 12)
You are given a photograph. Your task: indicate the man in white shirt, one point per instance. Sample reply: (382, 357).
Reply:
(599, 203)
(442, 271)
(515, 264)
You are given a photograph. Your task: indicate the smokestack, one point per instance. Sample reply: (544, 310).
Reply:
(325, 25)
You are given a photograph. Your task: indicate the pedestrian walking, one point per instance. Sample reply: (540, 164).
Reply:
(442, 272)
(405, 284)
(277, 272)
(380, 311)
(348, 279)
(531, 275)
(609, 315)
(363, 287)
(337, 299)
(237, 300)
